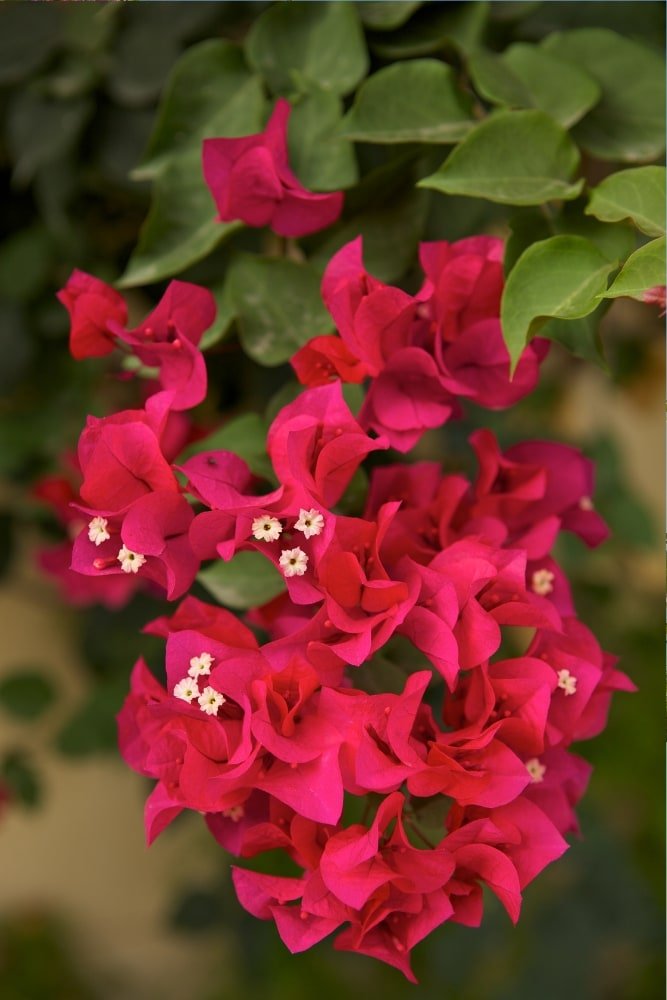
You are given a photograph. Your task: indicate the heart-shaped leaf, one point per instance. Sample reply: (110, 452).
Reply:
(320, 158)
(514, 157)
(637, 194)
(557, 87)
(247, 581)
(561, 278)
(278, 306)
(26, 694)
(416, 101)
(644, 269)
(628, 123)
(321, 43)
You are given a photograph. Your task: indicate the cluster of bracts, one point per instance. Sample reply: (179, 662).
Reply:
(395, 806)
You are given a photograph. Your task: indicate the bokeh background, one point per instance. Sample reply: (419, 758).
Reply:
(86, 911)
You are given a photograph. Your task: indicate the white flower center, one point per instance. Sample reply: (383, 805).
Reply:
(266, 529)
(210, 700)
(586, 504)
(294, 562)
(235, 813)
(186, 689)
(543, 582)
(567, 682)
(536, 770)
(200, 665)
(97, 530)
(311, 522)
(130, 562)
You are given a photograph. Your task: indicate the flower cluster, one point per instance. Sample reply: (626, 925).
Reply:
(424, 352)
(251, 180)
(399, 719)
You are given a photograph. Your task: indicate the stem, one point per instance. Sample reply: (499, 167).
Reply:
(413, 826)
(273, 245)
(294, 252)
(550, 215)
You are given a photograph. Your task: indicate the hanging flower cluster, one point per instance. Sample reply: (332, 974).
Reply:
(396, 803)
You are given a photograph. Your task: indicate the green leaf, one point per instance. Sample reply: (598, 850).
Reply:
(88, 28)
(353, 501)
(321, 159)
(246, 581)
(18, 773)
(198, 911)
(560, 89)
(615, 242)
(581, 337)
(430, 815)
(224, 316)
(25, 259)
(141, 61)
(323, 43)
(644, 269)
(631, 523)
(530, 225)
(386, 15)
(92, 728)
(561, 278)
(26, 694)
(495, 80)
(628, 123)
(180, 227)
(416, 101)
(246, 437)
(278, 306)
(627, 17)
(40, 130)
(210, 93)
(17, 348)
(514, 157)
(354, 396)
(507, 11)
(433, 28)
(28, 35)
(637, 194)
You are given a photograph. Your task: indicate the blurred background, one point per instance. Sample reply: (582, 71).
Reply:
(86, 911)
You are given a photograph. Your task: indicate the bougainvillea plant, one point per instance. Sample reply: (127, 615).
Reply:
(395, 710)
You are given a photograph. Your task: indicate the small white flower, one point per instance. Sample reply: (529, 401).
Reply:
(311, 522)
(567, 682)
(294, 562)
(266, 529)
(186, 689)
(210, 700)
(200, 665)
(130, 562)
(97, 530)
(543, 582)
(536, 770)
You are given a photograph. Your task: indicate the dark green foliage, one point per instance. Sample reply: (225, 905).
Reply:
(26, 693)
